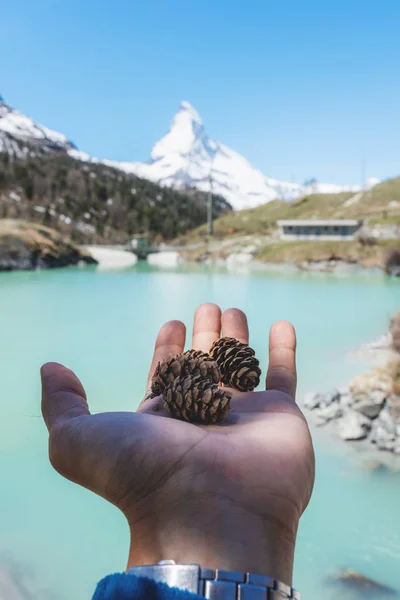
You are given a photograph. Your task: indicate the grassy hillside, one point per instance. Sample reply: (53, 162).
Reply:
(381, 204)
(316, 251)
(95, 203)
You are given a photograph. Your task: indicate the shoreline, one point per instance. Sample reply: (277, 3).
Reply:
(263, 251)
(365, 412)
(244, 262)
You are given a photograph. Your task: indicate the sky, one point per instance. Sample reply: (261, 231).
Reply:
(301, 88)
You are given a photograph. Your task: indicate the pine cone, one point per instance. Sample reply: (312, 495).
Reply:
(237, 364)
(189, 386)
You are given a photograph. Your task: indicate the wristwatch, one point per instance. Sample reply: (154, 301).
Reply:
(216, 584)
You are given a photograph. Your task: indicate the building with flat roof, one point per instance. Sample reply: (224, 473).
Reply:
(319, 229)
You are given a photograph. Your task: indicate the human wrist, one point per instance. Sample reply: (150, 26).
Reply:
(243, 544)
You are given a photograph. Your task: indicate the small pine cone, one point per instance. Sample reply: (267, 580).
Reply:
(186, 363)
(237, 364)
(189, 386)
(194, 399)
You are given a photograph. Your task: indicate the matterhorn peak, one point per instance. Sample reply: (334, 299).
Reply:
(185, 129)
(190, 111)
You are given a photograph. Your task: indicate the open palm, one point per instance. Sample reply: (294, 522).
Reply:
(190, 492)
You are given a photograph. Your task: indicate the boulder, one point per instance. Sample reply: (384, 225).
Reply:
(354, 426)
(312, 400)
(387, 422)
(328, 413)
(370, 404)
(346, 401)
(383, 432)
(363, 584)
(331, 396)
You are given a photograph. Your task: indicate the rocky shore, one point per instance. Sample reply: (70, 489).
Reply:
(28, 246)
(368, 408)
(267, 252)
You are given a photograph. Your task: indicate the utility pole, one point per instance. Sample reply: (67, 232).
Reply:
(210, 226)
(363, 178)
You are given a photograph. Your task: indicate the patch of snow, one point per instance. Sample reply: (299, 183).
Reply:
(164, 259)
(110, 258)
(83, 156)
(14, 196)
(39, 209)
(238, 260)
(85, 227)
(17, 125)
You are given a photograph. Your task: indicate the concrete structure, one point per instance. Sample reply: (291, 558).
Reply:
(319, 229)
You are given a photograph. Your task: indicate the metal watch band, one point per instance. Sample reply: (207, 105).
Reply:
(217, 584)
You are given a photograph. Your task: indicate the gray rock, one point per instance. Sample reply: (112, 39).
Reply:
(328, 413)
(387, 422)
(383, 432)
(354, 426)
(312, 400)
(346, 401)
(370, 404)
(331, 396)
(362, 585)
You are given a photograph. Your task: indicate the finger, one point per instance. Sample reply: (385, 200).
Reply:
(282, 358)
(170, 342)
(63, 396)
(206, 327)
(234, 324)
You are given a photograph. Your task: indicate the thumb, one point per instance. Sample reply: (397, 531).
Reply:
(63, 396)
(281, 374)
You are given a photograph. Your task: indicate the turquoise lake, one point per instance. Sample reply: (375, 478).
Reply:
(61, 539)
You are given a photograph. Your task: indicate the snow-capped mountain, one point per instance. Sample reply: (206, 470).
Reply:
(185, 157)
(19, 135)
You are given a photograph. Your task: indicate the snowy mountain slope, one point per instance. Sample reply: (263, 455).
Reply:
(19, 133)
(186, 157)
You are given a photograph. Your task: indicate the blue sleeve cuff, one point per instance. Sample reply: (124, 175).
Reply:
(122, 586)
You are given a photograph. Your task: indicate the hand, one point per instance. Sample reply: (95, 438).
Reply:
(225, 496)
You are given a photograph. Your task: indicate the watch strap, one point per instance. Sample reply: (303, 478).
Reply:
(217, 584)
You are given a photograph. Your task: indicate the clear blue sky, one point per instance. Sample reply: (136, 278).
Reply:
(301, 88)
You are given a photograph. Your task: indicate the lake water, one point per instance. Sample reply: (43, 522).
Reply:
(62, 539)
